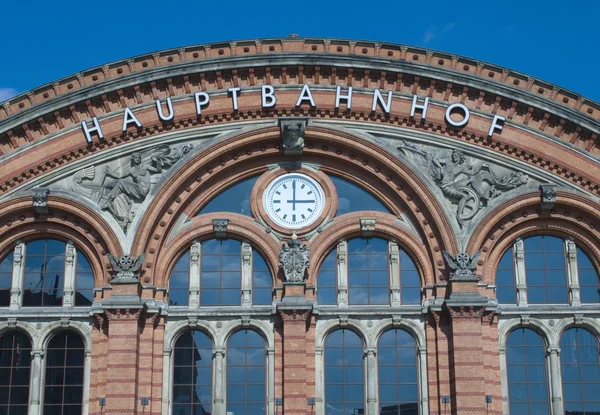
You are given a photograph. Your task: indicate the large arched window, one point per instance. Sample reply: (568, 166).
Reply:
(344, 381)
(588, 278)
(44, 273)
(246, 374)
(234, 199)
(220, 277)
(63, 387)
(368, 271)
(505, 279)
(179, 283)
(327, 280)
(397, 363)
(353, 198)
(527, 378)
(580, 372)
(192, 374)
(262, 285)
(6, 267)
(84, 282)
(15, 369)
(545, 270)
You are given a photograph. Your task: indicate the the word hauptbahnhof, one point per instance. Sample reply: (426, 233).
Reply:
(299, 226)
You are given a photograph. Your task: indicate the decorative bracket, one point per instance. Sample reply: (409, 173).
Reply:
(292, 135)
(40, 201)
(220, 228)
(367, 227)
(548, 196)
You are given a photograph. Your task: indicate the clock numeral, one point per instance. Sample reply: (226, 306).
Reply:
(278, 210)
(309, 193)
(276, 201)
(309, 209)
(303, 217)
(293, 218)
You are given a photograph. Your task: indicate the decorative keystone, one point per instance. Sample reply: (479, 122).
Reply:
(367, 226)
(127, 268)
(292, 135)
(220, 228)
(40, 201)
(548, 196)
(462, 266)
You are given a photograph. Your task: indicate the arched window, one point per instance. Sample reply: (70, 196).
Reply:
(15, 369)
(368, 271)
(353, 198)
(545, 270)
(505, 279)
(246, 374)
(192, 374)
(397, 362)
(527, 378)
(262, 284)
(580, 372)
(6, 267)
(235, 199)
(327, 280)
(588, 278)
(84, 282)
(344, 381)
(44, 273)
(410, 283)
(179, 283)
(220, 278)
(63, 390)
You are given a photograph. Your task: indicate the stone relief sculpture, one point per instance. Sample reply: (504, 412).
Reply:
(462, 266)
(117, 190)
(294, 258)
(468, 186)
(127, 267)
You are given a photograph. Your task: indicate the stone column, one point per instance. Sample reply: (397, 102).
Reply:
(342, 274)
(219, 388)
(371, 358)
(572, 273)
(271, 380)
(17, 276)
(394, 252)
(166, 381)
(86, 382)
(319, 384)
(35, 395)
(555, 380)
(519, 258)
(70, 275)
(423, 379)
(504, 379)
(246, 275)
(194, 301)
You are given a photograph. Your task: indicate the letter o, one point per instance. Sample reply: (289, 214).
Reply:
(466, 115)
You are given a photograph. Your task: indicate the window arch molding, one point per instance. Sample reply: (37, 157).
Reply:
(565, 324)
(329, 326)
(52, 329)
(381, 167)
(386, 227)
(410, 326)
(240, 227)
(537, 325)
(520, 217)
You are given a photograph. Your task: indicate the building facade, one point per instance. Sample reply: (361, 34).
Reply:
(299, 226)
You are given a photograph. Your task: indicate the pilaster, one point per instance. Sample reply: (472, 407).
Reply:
(572, 273)
(394, 254)
(17, 276)
(246, 275)
(195, 251)
(519, 258)
(342, 274)
(553, 354)
(70, 275)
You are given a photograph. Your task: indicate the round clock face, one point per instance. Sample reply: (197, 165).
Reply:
(294, 200)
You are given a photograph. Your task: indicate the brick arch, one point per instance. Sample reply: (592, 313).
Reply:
(348, 227)
(67, 220)
(573, 215)
(240, 227)
(394, 183)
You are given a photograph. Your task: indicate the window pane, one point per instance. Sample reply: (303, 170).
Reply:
(84, 282)
(246, 392)
(545, 270)
(327, 280)
(44, 273)
(368, 272)
(220, 276)
(15, 367)
(6, 266)
(262, 282)
(588, 278)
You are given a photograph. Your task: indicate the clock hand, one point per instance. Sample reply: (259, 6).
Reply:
(293, 195)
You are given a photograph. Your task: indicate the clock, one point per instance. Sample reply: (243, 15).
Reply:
(294, 200)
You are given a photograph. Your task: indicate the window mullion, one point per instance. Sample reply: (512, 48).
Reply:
(520, 278)
(246, 274)
(394, 256)
(342, 274)
(195, 253)
(70, 275)
(18, 273)
(572, 272)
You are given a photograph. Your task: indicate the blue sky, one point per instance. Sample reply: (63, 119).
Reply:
(557, 41)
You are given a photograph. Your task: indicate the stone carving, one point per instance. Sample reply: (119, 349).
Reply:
(118, 189)
(468, 186)
(220, 227)
(292, 134)
(40, 201)
(548, 194)
(126, 267)
(367, 226)
(462, 266)
(294, 258)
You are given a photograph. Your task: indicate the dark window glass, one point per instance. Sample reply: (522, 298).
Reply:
(84, 282)
(410, 283)
(235, 199)
(368, 271)
(344, 384)
(192, 374)
(44, 273)
(397, 362)
(262, 284)
(15, 365)
(327, 280)
(505, 279)
(246, 374)
(588, 278)
(220, 272)
(580, 372)
(545, 270)
(526, 365)
(179, 284)
(352, 198)
(63, 387)
(6, 267)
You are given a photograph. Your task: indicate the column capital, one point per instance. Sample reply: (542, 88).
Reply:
(37, 354)
(553, 350)
(218, 352)
(370, 351)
